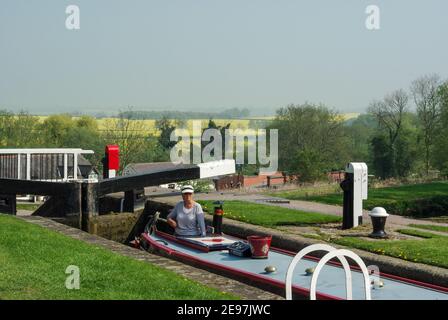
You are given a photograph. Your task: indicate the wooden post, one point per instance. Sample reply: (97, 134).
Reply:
(89, 203)
(73, 203)
(129, 199)
(269, 181)
(10, 206)
(14, 204)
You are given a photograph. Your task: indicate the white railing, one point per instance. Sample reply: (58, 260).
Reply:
(27, 153)
(331, 253)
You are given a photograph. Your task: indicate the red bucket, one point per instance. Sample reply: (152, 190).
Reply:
(259, 246)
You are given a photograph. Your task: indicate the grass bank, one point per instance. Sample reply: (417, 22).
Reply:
(430, 227)
(33, 262)
(27, 206)
(430, 249)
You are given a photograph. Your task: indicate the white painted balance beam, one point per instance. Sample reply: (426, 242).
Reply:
(216, 168)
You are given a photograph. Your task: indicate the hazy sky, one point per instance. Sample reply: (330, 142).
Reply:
(211, 55)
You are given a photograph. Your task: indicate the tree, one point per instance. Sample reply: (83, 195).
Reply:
(129, 135)
(19, 130)
(312, 140)
(408, 155)
(389, 113)
(441, 142)
(401, 160)
(87, 122)
(85, 134)
(360, 132)
(165, 127)
(25, 133)
(382, 159)
(151, 151)
(6, 128)
(56, 128)
(425, 91)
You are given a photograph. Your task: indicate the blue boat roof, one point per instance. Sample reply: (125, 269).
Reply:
(331, 279)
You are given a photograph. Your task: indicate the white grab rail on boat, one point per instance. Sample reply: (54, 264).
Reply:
(308, 250)
(339, 254)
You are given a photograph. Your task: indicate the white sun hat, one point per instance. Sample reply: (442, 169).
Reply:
(187, 189)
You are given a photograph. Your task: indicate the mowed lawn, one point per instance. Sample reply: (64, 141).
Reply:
(439, 228)
(430, 249)
(33, 261)
(267, 215)
(27, 206)
(377, 197)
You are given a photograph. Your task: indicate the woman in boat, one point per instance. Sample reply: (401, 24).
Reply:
(187, 217)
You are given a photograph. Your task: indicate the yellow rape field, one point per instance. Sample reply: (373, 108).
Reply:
(148, 126)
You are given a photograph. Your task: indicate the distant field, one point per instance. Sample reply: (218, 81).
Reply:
(348, 116)
(149, 126)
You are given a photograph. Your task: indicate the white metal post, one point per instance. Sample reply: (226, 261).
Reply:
(75, 166)
(28, 166)
(65, 168)
(18, 166)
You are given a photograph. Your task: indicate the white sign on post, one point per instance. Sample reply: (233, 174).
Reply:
(360, 184)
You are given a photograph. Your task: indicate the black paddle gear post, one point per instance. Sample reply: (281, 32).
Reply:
(347, 215)
(217, 217)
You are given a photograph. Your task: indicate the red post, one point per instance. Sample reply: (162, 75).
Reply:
(112, 161)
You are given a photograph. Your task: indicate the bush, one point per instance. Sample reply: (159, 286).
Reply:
(430, 207)
(421, 208)
(199, 185)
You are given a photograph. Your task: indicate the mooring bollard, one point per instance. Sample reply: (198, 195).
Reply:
(378, 216)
